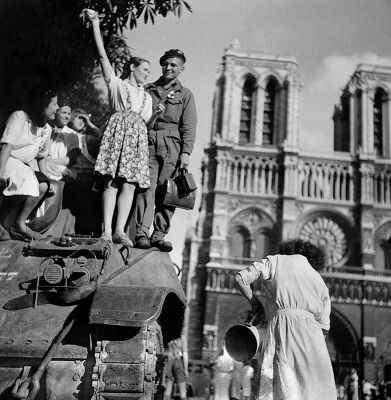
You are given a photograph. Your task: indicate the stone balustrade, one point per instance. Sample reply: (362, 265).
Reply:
(325, 180)
(346, 284)
(251, 174)
(307, 177)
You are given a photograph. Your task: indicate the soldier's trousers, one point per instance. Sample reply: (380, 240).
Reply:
(163, 159)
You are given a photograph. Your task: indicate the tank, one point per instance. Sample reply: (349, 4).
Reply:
(82, 318)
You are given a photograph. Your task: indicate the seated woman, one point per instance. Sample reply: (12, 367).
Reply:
(24, 148)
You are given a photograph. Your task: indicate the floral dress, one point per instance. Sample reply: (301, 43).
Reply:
(123, 151)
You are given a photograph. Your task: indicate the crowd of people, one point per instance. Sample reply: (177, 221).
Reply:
(231, 380)
(148, 139)
(350, 389)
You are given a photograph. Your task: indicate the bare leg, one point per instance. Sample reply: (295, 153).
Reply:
(168, 392)
(28, 207)
(109, 200)
(124, 205)
(182, 390)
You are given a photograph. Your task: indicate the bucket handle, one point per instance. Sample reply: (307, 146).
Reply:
(250, 323)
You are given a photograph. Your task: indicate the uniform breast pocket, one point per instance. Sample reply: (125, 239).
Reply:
(173, 109)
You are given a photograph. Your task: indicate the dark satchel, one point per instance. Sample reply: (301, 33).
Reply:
(178, 199)
(185, 183)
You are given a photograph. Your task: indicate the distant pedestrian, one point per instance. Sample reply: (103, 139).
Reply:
(247, 377)
(236, 381)
(176, 368)
(351, 385)
(222, 374)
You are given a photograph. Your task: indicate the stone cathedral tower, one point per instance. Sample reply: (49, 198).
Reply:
(259, 188)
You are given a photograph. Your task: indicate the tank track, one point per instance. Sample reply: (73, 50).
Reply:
(118, 375)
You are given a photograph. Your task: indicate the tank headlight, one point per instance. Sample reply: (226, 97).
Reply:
(53, 274)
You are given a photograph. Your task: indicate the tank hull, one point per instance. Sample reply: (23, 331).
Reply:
(117, 333)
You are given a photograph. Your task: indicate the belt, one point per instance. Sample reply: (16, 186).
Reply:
(292, 311)
(165, 125)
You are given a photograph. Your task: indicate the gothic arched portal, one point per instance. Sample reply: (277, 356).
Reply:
(343, 345)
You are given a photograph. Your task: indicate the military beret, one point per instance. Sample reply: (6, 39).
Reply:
(172, 53)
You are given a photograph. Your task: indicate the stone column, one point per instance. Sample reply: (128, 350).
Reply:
(258, 126)
(352, 116)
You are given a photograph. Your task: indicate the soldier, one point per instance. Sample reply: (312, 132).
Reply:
(176, 368)
(171, 139)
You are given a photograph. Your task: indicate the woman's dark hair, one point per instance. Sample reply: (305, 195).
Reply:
(39, 100)
(315, 255)
(136, 61)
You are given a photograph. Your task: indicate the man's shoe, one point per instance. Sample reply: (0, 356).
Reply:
(162, 245)
(142, 243)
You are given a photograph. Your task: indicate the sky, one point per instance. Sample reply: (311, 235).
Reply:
(328, 38)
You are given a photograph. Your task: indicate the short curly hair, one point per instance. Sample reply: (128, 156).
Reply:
(315, 255)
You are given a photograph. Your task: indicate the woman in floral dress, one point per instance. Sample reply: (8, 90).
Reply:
(123, 154)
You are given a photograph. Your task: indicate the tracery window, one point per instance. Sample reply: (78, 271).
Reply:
(246, 111)
(269, 113)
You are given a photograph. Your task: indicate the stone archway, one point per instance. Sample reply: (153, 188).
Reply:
(263, 232)
(343, 345)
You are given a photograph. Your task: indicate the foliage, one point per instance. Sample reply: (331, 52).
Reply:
(87, 95)
(43, 43)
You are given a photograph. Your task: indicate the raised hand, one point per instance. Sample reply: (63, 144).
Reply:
(160, 108)
(91, 15)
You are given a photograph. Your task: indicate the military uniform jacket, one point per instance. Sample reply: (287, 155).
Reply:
(179, 119)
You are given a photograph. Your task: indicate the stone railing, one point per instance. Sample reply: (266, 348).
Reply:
(346, 285)
(356, 285)
(248, 174)
(325, 180)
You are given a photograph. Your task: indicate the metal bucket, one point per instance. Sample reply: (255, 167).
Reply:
(242, 342)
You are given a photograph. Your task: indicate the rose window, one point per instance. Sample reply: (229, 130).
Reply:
(325, 232)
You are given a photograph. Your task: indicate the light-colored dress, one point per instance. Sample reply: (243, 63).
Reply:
(295, 361)
(222, 376)
(28, 142)
(236, 384)
(247, 376)
(124, 151)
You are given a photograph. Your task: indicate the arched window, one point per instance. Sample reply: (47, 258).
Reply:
(268, 112)
(246, 111)
(240, 243)
(382, 255)
(378, 122)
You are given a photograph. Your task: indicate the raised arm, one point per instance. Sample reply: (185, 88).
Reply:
(93, 17)
(247, 293)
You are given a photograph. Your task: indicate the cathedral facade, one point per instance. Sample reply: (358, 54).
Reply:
(259, 188)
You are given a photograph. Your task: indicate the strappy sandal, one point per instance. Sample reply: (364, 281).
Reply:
(26, 236)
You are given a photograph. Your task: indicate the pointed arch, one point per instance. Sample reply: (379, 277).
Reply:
(379, 120)
(269, 111)
(382, 248)
(247, 109)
